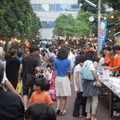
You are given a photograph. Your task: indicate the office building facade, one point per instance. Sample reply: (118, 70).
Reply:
(50, 10)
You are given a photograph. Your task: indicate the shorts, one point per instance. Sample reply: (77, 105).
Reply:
(27, 90)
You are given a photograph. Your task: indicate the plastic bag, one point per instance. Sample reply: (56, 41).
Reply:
(19, 87)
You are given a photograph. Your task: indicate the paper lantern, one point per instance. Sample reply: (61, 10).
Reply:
(27, 46)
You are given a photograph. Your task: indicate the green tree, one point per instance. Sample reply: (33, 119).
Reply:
(115, 4)
(82, 24)
(64, 25)
(18, 20)
(86, 7)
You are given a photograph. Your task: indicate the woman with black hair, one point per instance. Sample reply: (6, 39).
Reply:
(40, 96)
(12, 68)
(61, 83)
(91, 90)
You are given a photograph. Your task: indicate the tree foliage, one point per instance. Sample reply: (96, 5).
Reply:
(115, 4)
(86, 7)
(66, 25)
(82, 24)
(18, 20)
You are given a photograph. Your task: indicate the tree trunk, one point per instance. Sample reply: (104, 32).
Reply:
(6, 45)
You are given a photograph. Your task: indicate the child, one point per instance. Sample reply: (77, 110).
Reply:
(40, 111)
(106, 72)
(102, 59)
(50, 79)
(48, 67)
(40, 96)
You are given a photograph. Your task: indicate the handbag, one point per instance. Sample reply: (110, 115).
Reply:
(87, 73)
(19, 87)
(29, 80)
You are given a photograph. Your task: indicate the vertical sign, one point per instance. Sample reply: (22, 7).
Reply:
(103, 30)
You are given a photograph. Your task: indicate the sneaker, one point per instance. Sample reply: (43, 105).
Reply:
(63, 112)
(58, 110)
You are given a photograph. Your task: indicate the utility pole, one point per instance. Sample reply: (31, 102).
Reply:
(99, 18)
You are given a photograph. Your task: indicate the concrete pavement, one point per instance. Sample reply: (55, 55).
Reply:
(102, 112)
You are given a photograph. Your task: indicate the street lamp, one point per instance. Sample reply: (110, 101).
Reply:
(99, 16)
(90, 3)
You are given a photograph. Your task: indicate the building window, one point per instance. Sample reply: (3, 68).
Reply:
(45, 7)
(52, 7)
(40, 7)
(67, 7)
(47, 24)
(52, 24)
(55, 7)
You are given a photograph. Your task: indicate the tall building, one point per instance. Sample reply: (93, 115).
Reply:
(49, 11)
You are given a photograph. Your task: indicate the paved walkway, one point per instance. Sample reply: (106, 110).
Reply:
(102, 112)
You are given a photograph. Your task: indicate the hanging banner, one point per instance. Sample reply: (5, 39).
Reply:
(103, 31)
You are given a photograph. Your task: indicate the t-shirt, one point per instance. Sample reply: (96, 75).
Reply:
(71, 61)
(11, 106)
(51, 55)
(78, 69)
(90, 64)
(41, 98)
(61, 66)
(29, 62)
(12, 67)
(20, 59)
(107, 58)
(101, 61)
(116, 62)
(4, 76)
(40, 58)
(91, 49)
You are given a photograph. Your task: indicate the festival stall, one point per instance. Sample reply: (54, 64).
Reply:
(113, 84)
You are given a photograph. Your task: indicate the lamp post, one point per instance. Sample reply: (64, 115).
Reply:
(41, 33)
(99, 17)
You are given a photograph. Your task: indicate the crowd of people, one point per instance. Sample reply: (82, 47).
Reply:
(46, 73)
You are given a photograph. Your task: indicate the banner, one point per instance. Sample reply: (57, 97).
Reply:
(103, 30)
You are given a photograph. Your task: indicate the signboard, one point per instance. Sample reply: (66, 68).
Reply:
(103, 30)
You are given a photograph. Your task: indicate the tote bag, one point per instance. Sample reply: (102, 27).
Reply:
(87, 73)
